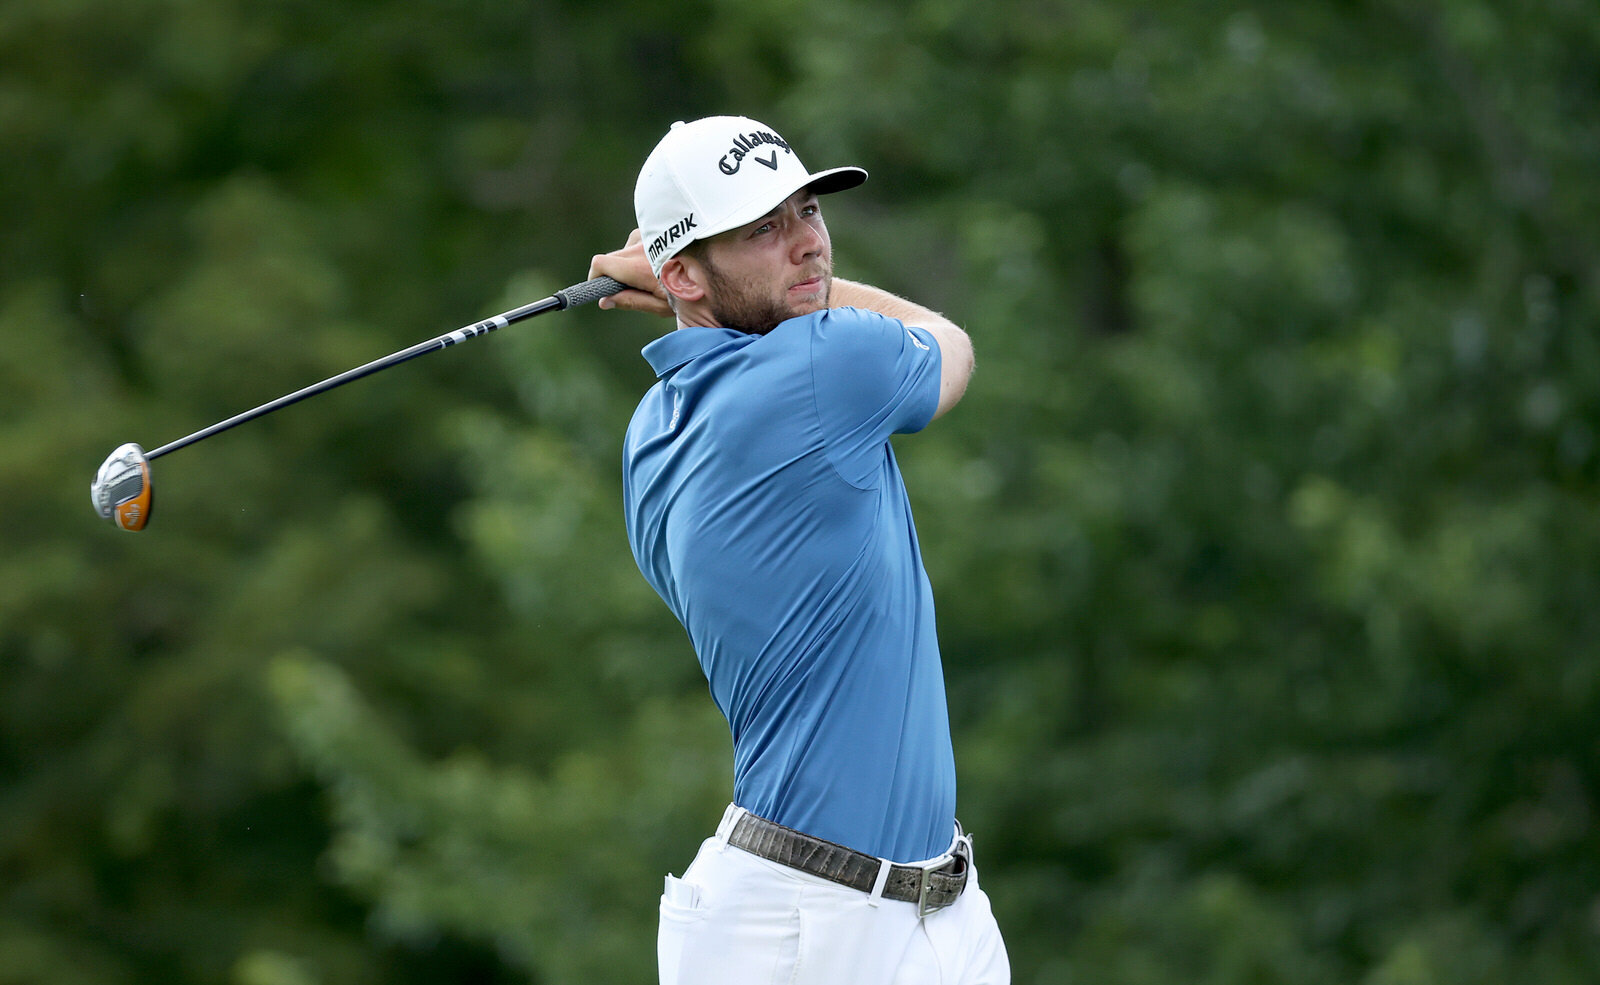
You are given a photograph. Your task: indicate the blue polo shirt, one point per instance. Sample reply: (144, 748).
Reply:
(764, 504)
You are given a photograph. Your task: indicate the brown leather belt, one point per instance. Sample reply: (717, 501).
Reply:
(931, 889)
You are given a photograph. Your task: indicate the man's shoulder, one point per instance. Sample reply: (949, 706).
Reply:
(841, 330)
(853, 317)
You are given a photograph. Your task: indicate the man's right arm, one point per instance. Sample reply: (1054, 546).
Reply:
(955, 348)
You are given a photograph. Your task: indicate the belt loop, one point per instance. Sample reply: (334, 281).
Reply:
(730, 820)
(884, 868)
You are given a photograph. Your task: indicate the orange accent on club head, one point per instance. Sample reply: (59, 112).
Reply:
(134, 513)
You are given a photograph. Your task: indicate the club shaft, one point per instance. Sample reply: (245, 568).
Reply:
(577, 294)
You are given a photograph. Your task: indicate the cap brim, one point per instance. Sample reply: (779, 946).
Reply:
(821, 182)
(836, 180)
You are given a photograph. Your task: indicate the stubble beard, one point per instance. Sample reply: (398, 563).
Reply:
(745, 307)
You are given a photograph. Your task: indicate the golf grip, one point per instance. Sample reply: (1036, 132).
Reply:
(589, 290)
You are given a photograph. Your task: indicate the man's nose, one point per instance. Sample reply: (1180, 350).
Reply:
(807, 240)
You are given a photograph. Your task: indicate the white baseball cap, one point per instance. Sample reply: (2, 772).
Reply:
(717, 174)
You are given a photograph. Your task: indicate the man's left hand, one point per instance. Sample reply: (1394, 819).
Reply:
(629, 266)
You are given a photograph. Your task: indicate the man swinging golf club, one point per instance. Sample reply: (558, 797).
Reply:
(765, 506)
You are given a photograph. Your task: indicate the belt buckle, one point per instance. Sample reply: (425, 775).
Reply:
(923, 884)
(962, 851)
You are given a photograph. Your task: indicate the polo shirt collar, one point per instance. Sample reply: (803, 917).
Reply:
(676, 348)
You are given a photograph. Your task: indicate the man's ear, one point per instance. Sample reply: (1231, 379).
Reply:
(684, 278)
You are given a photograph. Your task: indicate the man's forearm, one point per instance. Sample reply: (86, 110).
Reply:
(955, 348)
(854, 294)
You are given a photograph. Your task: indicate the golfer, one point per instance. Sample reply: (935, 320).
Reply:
(764, 504)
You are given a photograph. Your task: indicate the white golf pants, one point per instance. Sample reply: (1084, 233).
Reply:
(738, 919)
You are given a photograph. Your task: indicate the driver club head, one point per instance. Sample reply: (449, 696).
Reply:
(121, 490)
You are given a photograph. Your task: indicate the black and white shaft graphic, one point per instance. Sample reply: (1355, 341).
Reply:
(121, 490)
(569, 297)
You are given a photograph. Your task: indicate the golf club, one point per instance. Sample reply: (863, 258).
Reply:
(122, 492)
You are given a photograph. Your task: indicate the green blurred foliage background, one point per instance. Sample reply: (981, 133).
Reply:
(1267, 540)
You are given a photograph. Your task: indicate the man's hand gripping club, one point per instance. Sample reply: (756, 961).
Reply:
(630, 266)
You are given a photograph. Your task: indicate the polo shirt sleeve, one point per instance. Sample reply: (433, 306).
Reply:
(873, 376)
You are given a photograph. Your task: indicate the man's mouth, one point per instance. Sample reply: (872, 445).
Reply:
(810, 285)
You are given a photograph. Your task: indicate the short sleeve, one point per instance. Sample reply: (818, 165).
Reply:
(873, 376)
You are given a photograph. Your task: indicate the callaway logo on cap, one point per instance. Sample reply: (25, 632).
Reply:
(717, 174)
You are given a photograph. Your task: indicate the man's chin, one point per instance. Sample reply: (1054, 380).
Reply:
(810, 302)
(809, 307)
(760, 318)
